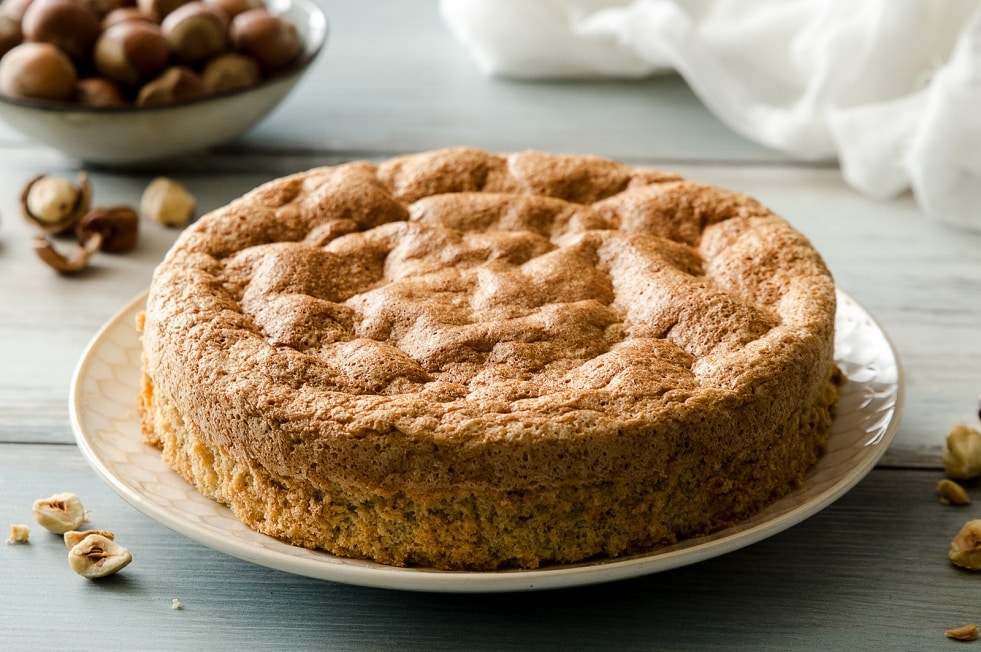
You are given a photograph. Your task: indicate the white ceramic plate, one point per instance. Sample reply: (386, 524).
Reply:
(107, 428)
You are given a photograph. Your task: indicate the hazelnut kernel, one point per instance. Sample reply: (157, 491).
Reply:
(74, 537)
(60, 513)
(19, 533)
(167, 202)
(98, 556)
(962, 453)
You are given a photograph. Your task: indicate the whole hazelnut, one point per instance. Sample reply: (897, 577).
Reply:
(131, 52)
(37, 70)
(175, 84)
(10, 34)
(196, 32)
(233, 8)
(66, 24)
(98, 92)
(160, 7)
(271, 40)
(101, 8)
(119, 227)
(230, 71)
(127, 13)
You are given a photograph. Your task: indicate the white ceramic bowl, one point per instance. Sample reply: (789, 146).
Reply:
(126, 136)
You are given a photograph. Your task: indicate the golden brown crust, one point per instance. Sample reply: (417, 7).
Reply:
(463, 324)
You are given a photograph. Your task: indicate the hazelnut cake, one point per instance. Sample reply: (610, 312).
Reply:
(465, 360)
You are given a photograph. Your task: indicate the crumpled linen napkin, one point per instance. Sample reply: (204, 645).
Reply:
(891, 88)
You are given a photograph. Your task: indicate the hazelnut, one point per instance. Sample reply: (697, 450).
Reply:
(37, 70)
(167, 202)
(963, 633)
(59, 513)
(123, 14)
(74, 537)
(952, 493)
(97, 556)
(272, 41)
(19, 533)
(160, 7)
(15, 8)
(196, 32)
(965, 548)
(68, 25)
(119, 227)
(102, 8)
(131, 52)
(175, 84)
(98, 92)
(233, 8)
(55, 204)
(10, 34)
(962, 453)
(230, 71)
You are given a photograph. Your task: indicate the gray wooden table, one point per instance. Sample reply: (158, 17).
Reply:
(868, 572)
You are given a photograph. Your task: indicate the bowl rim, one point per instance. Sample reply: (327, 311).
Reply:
(317, 30)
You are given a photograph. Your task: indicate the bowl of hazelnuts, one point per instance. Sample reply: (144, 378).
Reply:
(123, 82)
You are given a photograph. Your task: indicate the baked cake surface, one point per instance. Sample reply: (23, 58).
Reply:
(466, 360)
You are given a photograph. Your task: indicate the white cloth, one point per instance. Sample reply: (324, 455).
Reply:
(891, 88)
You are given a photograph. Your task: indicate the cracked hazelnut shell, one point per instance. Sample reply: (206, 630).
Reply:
(54, 204)
(119, 227)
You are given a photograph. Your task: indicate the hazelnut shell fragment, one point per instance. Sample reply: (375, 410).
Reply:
(118, 226)
(98, 556)
(54, 204)
(71, 264)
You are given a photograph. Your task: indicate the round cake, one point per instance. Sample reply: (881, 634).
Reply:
(465, 360)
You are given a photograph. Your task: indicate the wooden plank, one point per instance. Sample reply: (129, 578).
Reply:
(869, 572)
